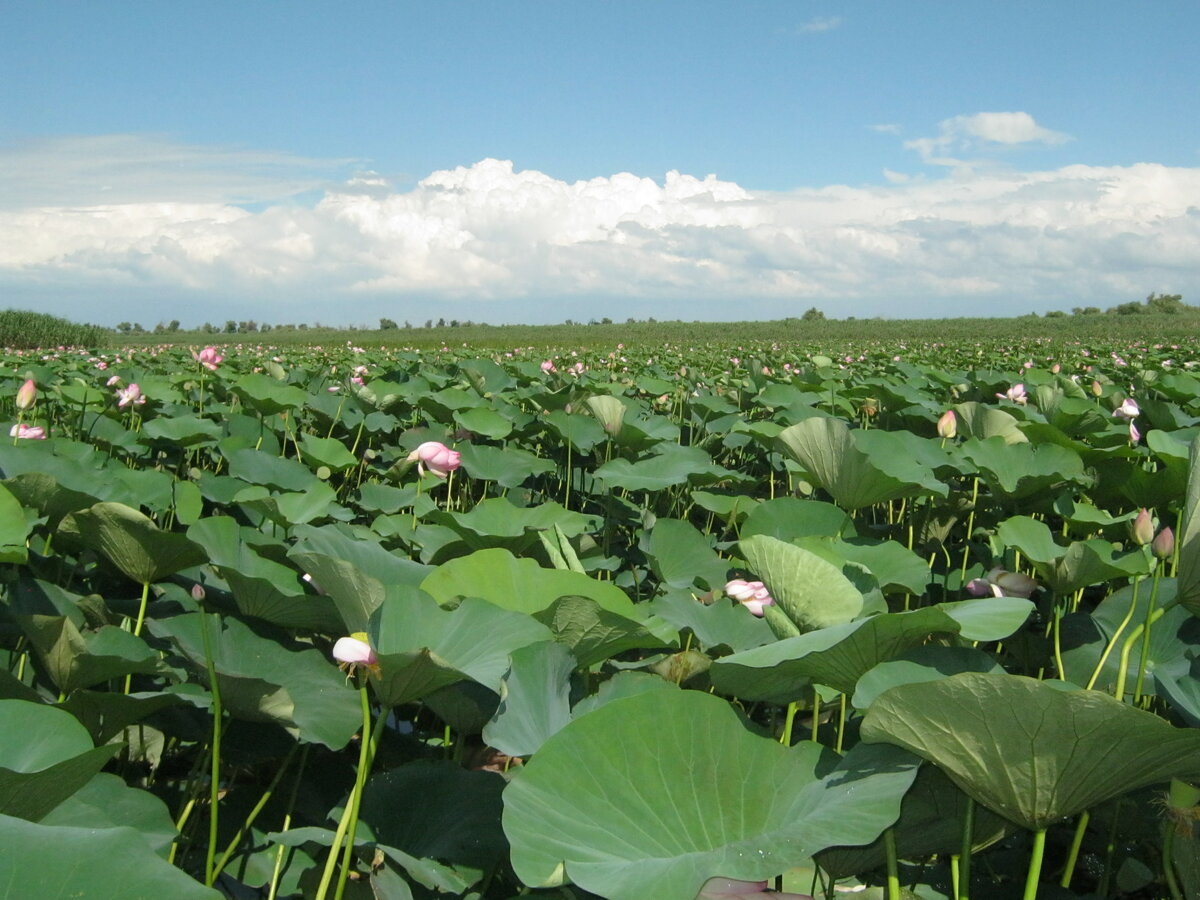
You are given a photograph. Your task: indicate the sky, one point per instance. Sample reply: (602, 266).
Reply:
(534, 161)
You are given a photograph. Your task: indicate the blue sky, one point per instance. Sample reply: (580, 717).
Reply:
(535, 161)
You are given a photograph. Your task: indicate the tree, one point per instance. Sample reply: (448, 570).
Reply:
(812, 314)
(387, 325)
(124, 327)
(173, 325)
(1167, 304)
(230, 326)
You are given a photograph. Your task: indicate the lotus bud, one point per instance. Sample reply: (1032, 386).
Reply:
(26, 394)
(947, 425)
(437, 457)
(1134, 434)
(198, 592)
(1012, 584)
(1163, 545)
(1142, 528)
(1097, 389)
(751, 594)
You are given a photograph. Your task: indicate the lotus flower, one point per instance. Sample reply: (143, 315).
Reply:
(548, 366)
(26, 394)
(1003, 583)
(732, 889)
(130, 395)
(24, 432)
(751, 594)
(437, 457)
(354, 651)
(1016, 394)
(1128, 410)
(1163, 545)
(1142, 528)
(209, 358)
(1134, 434)
(947, 425)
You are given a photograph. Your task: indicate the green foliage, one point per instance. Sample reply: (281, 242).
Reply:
(25, 330)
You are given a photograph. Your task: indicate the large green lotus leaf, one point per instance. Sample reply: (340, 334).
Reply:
(45, 756)
(931, 823)
(508, 466)
(1029, 751)
(486, 376)
(261, 587)
(62, 863)
(535, 699)
(609, 412)
(498, 517)
(499, 577)
(182, 431)
(679, 555)
(485, 421)
(581, 432)
(840, 655)
(1189, 537)
(263, 681)
(329, 452)
(594, 634)
(1179, 682)
(894, 566)
(106, 713)
(811, 591)
(356, 573)
(437, 810)
(108, 802)
(651, 795)
(79, 659)
(291, 507)
(855, 476)
(258, 467)
(719, 623)
(1067, 569)
(422, 647)
(132, 542)
(670, 465)
(1019, 471)
(14, 529)
(788, 518)
(43, 492)
(979, 421)
(266, 395)
(926, 663)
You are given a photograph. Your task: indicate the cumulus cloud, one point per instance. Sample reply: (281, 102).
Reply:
(979, 132)
(526, 245)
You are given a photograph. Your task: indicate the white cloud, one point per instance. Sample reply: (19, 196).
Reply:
(818, 24)
(981, 132)
(488, 236)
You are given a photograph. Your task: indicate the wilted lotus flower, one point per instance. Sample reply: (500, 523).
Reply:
(1011, 584)
(1163, 544)
(437, 457)
(26, 394)
(354, 651)
(1142, 528)
(209, 358)
(131, 394)
(751, 594)
(731, 889)
(947, 425)
(1016, 394)
(25, 432)
(1128, 410)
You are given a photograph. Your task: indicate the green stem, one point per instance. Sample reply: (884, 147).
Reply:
(1141, 677)
(1035, 864)
(1109, 849)
(1127, 649)
(1168, 862)
(210, 873)
(1108, 648)
(281, 850)
(1076, 843)
(786, 738)
(258, 807)
(964, 855)
(137, 627)
(893, 865)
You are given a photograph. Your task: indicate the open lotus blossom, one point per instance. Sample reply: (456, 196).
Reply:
(24, 432)
(947, 425)
(1128, 410)
(1003, 583)
(26, 394)
(1016, 394)
(751, 594)
(130, 395)
(354, 651)
(437, 457)
(548, 366)
(209, 358)
(732, 889)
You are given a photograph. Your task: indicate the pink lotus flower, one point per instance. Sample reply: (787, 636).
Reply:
(354, 651)
(209, 358)
(732, 889)
(1016, 394)
(751, 594)
(26, 394)
(947, 426)
(1163, 545)
(1128, 410)
(130, 395)
(437, 457)
(23, 432)
(548, 366)
(1134, 434)
(1142, 528)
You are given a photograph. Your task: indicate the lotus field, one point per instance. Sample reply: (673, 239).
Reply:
(659, 622)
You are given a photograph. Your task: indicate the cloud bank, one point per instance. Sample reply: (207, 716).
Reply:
(495, 243)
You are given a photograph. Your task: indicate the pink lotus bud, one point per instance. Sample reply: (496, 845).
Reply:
(25, 432)
(1134, 434)
(981, 587)
(947, 426)
(198, 593)
(26, 394)
(437, 457)
(1142, 528)
(1163, 545)
(548, 366)
(751, 594)
(1055, 369)
(1128, 409)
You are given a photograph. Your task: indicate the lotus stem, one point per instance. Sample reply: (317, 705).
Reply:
(786, 737)
(281, 851)
(1127, 649)
(963, 891)
(258, 807)
(214, 791)
(893, 865)
(1141, 677)
(1036, 853)
(1108, 648)
(1076, 843)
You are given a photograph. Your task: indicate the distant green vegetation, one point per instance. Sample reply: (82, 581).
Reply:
(24, 330)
